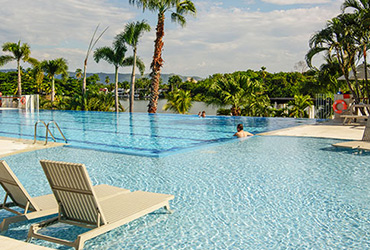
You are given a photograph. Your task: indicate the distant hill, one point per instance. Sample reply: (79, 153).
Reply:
(123, 77)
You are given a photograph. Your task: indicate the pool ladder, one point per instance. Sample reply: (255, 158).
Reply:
(48, 131)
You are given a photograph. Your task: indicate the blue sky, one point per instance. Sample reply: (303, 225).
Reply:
(225, 36)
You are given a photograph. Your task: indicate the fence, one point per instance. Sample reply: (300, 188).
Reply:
(323, 104)
(27, 102)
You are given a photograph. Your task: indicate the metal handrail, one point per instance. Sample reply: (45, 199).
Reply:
(60, 131)
(47, 131)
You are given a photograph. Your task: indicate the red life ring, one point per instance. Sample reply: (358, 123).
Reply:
(339, 111)
(23, 100)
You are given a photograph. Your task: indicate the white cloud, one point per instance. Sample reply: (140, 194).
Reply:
(60, 28)
(225, 40)
(291, 2)
(220, 39)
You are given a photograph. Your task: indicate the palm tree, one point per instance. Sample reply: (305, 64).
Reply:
(337, 40)
(234, 90)
(179, 101)
(362, 11)
(161, 7)
(78, 73)
(131, 35)
(299, 105)
(20, 52)
(116, 56)
(52, 68)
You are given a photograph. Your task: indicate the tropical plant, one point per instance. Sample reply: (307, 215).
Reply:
(298, 106)
(362, 11)
(131, 35)
(337, 40)
(234, 90)
(19, 52)
(78, 73)
(116, 56)
(179, 9)
(52, 68)
(179, 101)
(175, 82)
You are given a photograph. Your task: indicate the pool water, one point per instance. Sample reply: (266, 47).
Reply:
(152, 135)
(260, 193)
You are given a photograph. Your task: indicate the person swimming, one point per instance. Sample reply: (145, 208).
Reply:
(241, 133)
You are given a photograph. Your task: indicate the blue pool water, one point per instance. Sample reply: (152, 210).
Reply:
(138, 134)
(261, 193)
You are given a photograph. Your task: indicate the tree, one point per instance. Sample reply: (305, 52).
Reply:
(299, 105)
(89, 49)
(115, 56)
(58, 66)
(78, 74)
(131, 35)
(337, 40)
(174, 81)
(362, 11)
(161, 7)
(234, 90)
(20, 52)
(179, 101)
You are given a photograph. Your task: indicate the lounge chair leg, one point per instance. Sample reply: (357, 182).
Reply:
(167, 207)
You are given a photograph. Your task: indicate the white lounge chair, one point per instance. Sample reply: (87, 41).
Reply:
(33, 207)
(79, 205)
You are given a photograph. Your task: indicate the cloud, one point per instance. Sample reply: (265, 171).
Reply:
(224, 40)
(220, 39)
(291, 2)
(60, 28)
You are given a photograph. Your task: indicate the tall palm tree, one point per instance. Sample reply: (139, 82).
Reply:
(131, 35)
(337, 40)
(116, 56)
(20, 52)
(362, 11)
(52, 68)
(179, 8)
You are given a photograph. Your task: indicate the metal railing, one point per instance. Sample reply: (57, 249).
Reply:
(48, 131)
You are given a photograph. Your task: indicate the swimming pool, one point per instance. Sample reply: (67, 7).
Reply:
(152, 135)
(261, 193)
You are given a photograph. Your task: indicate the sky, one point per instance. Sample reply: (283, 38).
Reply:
(224, 36)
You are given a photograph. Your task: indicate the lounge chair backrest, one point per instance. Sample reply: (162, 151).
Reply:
(14, 188)
(74, 192)
(366, 135)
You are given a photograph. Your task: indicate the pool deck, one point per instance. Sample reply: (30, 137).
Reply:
(332, 129)
(10, 146)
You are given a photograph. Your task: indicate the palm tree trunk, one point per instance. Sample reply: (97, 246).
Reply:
(132, 88)
(52, 90)
(156, 65)
(116, 90)
(84, 85)
(365, 68)
(19, 78)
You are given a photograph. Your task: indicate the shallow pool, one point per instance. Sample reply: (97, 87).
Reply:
(152, 135)
(260, 193)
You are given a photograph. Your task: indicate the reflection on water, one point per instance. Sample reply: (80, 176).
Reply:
(142, 106)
